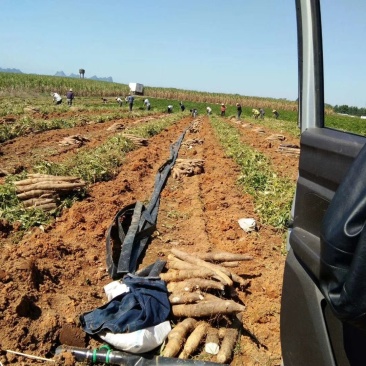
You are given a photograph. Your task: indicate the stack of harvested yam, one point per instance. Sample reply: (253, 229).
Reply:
(187, 167)
(116, 127)
(289, 149)
(259, 130)
(73, 140)
(138, 141)
(195, 125)
(276, 136)
(190, 142)
(198, 286)
(44, 191)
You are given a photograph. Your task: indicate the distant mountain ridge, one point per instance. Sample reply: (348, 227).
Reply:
(14, 71)
(61, 73)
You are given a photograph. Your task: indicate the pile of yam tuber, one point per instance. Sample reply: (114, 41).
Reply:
(116, 127)
(73, 140)
(187, 167)
(206, 319)
(44, 191)
(276, 136)
(138, 141)
(190, 142)
(195, 125)
(289, 149)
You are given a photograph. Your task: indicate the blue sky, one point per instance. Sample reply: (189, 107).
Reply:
(248, 47)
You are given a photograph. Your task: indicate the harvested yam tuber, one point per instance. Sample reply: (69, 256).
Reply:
(36, 202)
(48, 206)
(50, 185)
(184, 274)
(223, 257)
(212, 345)
(227, 345)
(187, 167)
(73, 140)
(191, 142)
(194, 340)
(177, 336)
(42, 190)
(185, 298)
(199, 262)
(232, 275)
(175, 263)
(35, 193)
(276, 136)
(36, 178)
(116, 126)
(138, 141)
(207, 308)
(3, 172)
(289, 149)
(194, 284)
(230, 264)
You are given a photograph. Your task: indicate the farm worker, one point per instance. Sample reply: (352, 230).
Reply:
(56, 98)
(147, 104)
(275, 114)
(209, 110)
(105, 100)
(238, 110)
(119, 101)
(262, 113)
(170, 108)
(70, 97)
(182, 107)
(256, 113)
(130, 100)
(223, 109)
(194, 112)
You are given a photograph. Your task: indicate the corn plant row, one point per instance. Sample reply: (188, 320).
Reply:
(272, 195)
(23, 84)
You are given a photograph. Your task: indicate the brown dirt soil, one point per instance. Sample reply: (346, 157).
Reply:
(54, 275)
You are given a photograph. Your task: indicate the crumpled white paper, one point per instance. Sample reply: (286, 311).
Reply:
(247, 224)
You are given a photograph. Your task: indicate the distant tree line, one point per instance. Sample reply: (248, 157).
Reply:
(353, 111)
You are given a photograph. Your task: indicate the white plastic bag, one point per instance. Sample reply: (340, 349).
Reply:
(114, 289)
(140, 341)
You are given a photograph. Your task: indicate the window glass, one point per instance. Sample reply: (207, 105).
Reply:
(344, 29)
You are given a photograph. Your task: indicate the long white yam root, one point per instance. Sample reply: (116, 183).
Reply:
(227, 345)
(207, 308)
(194, 340)
(184, 274)
(51, 185)
(185, 298)
(177, 336)
(194, 284)
(175, 263)
(223, 257)
(199, 262)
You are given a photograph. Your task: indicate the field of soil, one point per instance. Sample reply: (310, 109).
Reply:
(56, 273)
